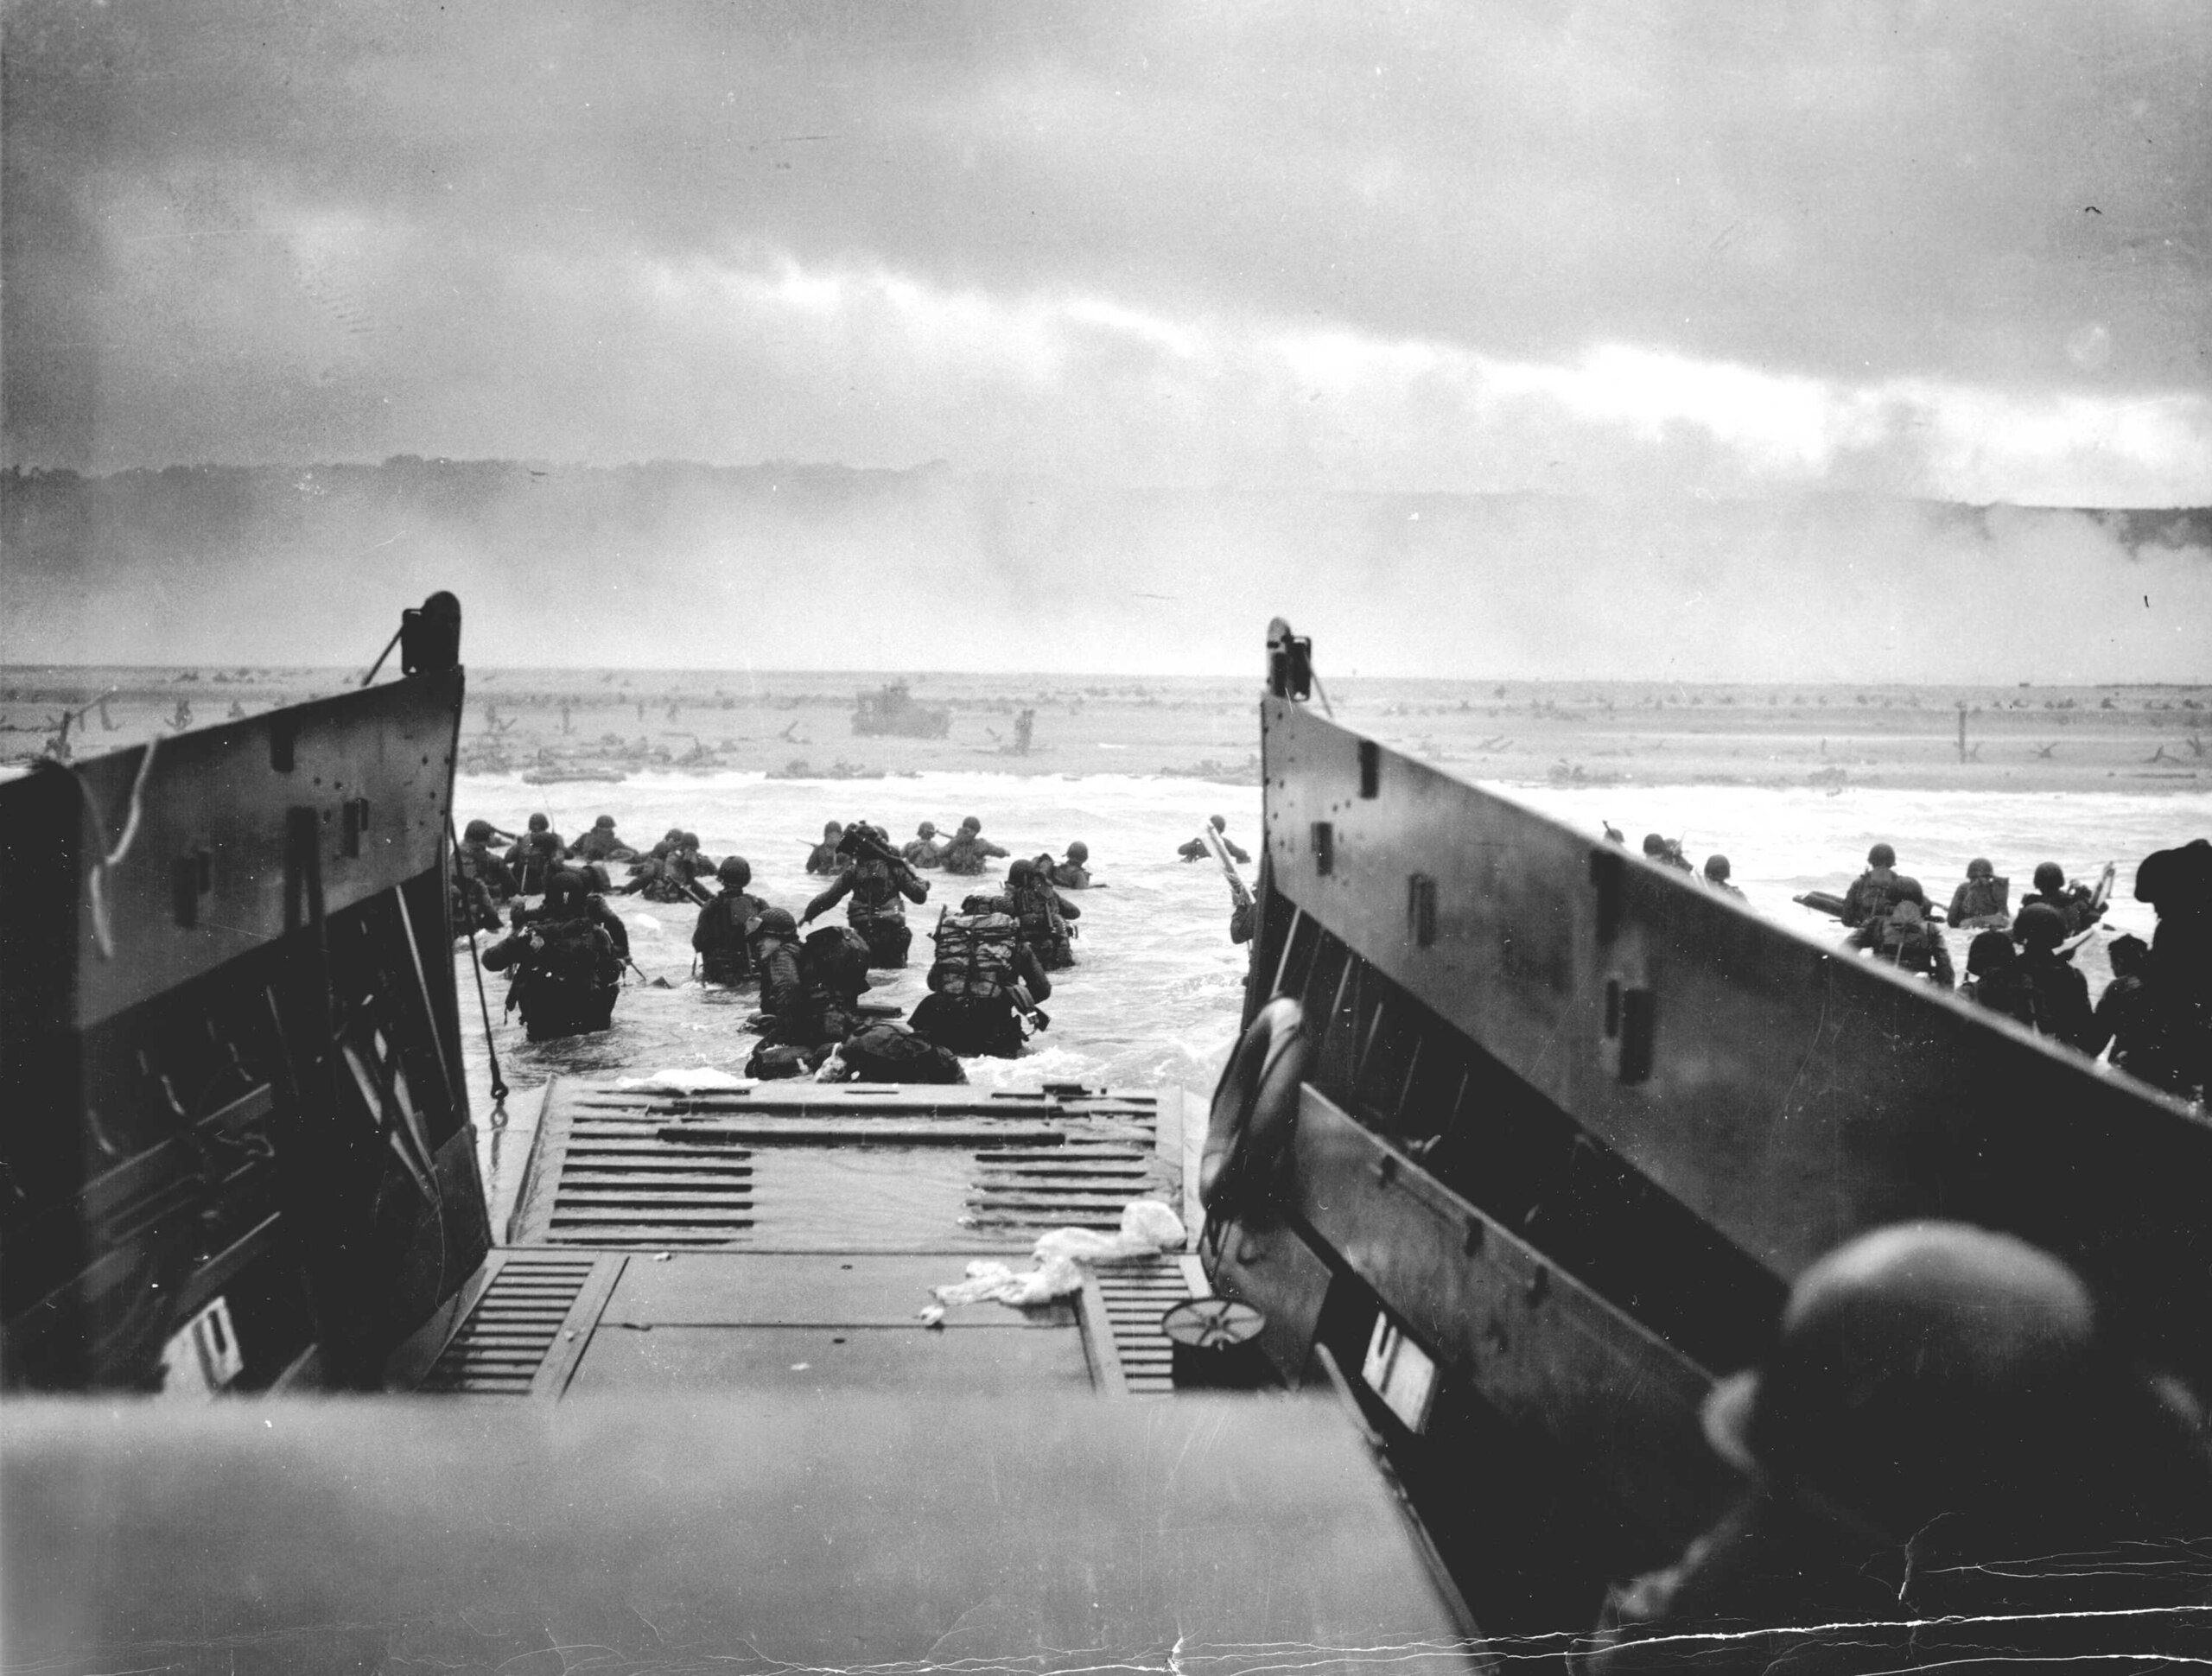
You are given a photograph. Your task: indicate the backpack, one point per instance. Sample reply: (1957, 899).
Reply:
(1037, 905)
(974, 954)
(893, 1053)
(833, 965)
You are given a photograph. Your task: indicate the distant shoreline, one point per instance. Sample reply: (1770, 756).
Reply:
(2139, 739)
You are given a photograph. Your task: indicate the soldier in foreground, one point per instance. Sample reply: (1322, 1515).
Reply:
(984, 985)
(568, 966)
(1944, 1463)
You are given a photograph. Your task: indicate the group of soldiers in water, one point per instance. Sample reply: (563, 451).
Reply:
(2155, 1014)
(987, 977)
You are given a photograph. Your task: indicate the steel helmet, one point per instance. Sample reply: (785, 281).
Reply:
(1980, 867)
(927, 830)
(567, 889)
(1716, 866)
(1023, 868)
(477, 832)
(1919, 1369)
(2039, 925)
(539, 824)
(779, 923)
(1881, 856)
(735, 872)
(605, 822)
(1990, 951)
(2050, 876)
(1079, 851)
(971, 824)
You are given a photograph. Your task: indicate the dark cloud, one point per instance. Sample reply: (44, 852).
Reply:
(244, 231)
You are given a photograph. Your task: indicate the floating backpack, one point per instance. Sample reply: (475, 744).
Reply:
(974, 955)
(893, 1053)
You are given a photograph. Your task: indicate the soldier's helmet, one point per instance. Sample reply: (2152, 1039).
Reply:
(1980, 867)
(1078, 852)
(1716, 868)
(689, 841)
(2050, 876)
(1990, 951)
(927, 830)
(2039, 925)
(566, 891)
(831, 830)
(779, 923)
(971, 824)
(539, 824)
(605, 823)
(735, 872)
(477, 832)
(1021, 869)
(1919, 1368)
(1881, 856)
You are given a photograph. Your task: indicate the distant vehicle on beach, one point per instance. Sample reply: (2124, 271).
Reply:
(891, 709)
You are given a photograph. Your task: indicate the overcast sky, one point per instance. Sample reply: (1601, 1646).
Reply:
(1951, 250)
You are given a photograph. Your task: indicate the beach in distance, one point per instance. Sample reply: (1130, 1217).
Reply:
(549, 725)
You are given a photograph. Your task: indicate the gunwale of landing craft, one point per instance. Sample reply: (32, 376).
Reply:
(1482, 1146)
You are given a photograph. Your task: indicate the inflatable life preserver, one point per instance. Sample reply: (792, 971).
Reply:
(1255, 1111)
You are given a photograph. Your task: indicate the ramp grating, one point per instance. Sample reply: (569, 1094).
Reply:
(622, 1183)
(1136, 1295)
(505, 1339)
(1084, 1183)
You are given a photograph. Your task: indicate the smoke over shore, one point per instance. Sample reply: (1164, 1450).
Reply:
(791, 567)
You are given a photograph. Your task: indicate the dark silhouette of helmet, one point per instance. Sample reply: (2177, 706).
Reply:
(779, 923)
(671, 835)
(1908, 889)
(833, 830)
(690, 841)
(566, 891)
(1881, 856)
(1219, 825)
(2129, 955)
(2039, 925)
(1990, 951)
(539, 824)
(1653, 844)
(605, 823)
(2176, 880)
(1980, 867)
(477, 832)
(971, 824)
(1078, 852)
(1021, 869)
(735, 872)
(1716, 866)
(927, 830)
(1920, 1369)
(2050, 876)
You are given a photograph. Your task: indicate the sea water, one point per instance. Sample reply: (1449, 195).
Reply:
(1154, 998)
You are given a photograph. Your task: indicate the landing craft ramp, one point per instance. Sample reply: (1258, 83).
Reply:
(785, 1237)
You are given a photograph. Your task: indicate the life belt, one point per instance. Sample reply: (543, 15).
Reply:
(1255, 1111)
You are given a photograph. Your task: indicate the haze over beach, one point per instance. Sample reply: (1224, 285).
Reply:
(1707, 343)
